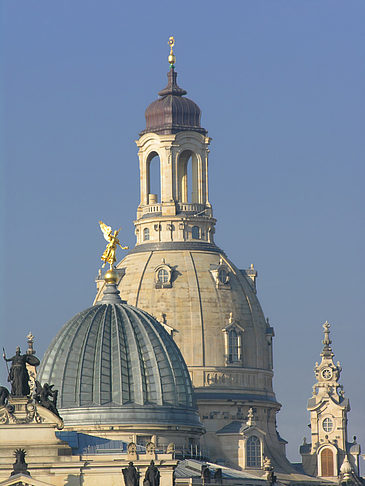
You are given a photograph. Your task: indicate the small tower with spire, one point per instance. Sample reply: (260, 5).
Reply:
(328, 409)
(173, 135)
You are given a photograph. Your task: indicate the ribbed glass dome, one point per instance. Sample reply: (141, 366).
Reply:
(117, 360)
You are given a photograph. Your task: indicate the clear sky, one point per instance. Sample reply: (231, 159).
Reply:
(281, 88)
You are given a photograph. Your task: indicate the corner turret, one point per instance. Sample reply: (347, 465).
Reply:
(328, 409)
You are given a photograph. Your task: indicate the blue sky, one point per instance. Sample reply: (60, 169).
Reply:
(281, 88)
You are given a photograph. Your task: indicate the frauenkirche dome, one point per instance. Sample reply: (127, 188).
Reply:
(178, 274)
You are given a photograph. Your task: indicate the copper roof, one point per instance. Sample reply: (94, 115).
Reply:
(172, 112)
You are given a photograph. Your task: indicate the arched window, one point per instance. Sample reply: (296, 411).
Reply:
(195, 232)
(188, 176)
(146, 234)
(327, 463)
(233, 346)
(153, 178)
(253, 452)
(163, 275)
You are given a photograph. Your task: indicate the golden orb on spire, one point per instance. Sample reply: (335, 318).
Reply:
(111, 276)
(171, 58)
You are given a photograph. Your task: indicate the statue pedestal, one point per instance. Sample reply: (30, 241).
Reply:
(23, 407)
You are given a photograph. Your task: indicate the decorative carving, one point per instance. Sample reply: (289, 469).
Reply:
(251, 273)
(132, 448)
(170, 448)
(270, 476)
(150, 448)
(20, 413)
(250, 417)
(130, 475)
(228, 379)
(18, 373)
(152, 476)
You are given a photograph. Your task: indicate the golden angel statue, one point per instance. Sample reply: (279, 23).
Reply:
(109, 254)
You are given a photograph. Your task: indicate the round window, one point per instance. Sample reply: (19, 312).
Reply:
(327, 425)
(163, 275)
(223, 276)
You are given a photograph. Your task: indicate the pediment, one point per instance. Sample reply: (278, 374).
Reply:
(23, 479)
(248, 430)
(233, 325)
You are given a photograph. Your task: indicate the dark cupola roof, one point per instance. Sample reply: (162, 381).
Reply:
(172, 113)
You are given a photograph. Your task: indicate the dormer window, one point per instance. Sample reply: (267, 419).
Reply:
(163, 275)
(221, 275)
(233, 338)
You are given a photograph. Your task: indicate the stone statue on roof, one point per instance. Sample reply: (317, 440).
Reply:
(152, 476)
(18, 373)
(130, 475)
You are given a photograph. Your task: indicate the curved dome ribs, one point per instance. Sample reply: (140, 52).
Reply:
(169, 390)
(137, 381)
(65, 342)
(124, 378)
(86, 374)
(150, 363)
(105, 359)
(71, 391)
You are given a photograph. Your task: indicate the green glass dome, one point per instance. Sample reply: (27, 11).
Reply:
(114, 363)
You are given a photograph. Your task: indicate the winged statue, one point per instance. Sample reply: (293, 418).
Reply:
(113, 241)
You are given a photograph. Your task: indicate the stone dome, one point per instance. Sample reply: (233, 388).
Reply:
(114, 363)
(172, 113)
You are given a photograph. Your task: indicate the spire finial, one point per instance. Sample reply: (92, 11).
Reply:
(171, 58)
(327, 350)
